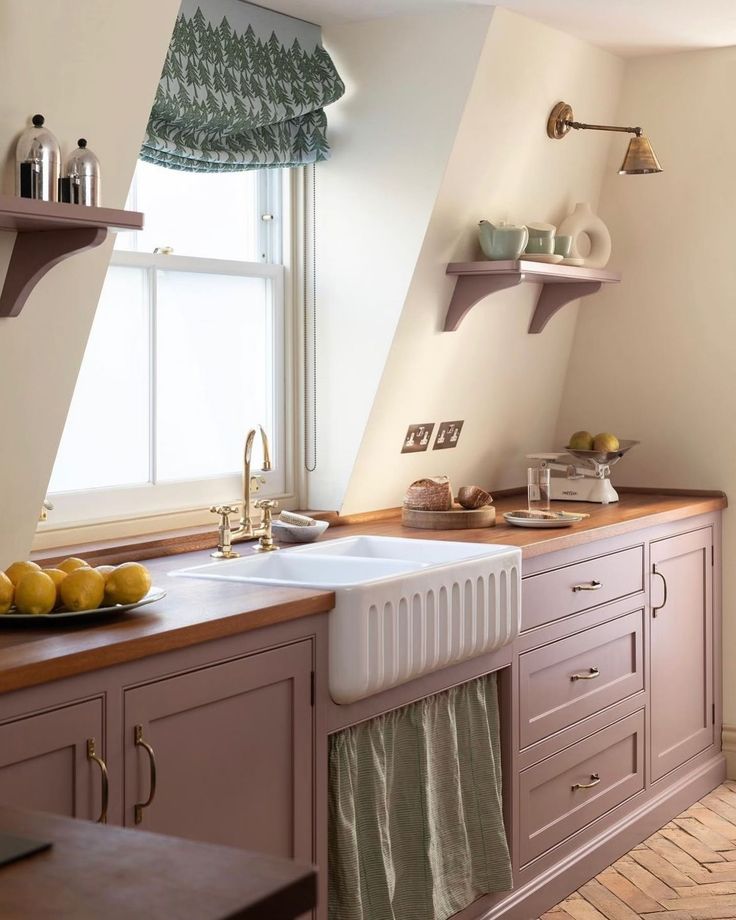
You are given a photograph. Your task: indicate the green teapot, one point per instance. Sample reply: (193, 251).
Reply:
(502, 242)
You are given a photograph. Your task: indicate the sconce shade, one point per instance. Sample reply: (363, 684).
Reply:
(640, 159)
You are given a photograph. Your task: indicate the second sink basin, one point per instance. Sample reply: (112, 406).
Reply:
(403, 608)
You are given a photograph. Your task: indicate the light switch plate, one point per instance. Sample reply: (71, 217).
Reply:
(448, 434)
(417, 438)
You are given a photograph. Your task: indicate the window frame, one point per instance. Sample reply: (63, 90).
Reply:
(159, 506)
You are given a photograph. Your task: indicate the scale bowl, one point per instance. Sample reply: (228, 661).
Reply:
(603, 456)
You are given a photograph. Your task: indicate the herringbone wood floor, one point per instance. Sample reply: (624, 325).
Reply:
(686, 871)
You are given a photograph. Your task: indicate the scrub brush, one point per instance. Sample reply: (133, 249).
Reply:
(296, 520)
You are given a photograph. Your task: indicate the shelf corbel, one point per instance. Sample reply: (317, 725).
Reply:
(553, 297)
(34, 253)
(469, 289)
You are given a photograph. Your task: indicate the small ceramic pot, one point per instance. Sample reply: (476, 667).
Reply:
(541, 244)
(563, 246)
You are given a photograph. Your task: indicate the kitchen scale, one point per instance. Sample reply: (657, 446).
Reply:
(582, 475)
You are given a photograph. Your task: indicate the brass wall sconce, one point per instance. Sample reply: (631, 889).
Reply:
(640, 158)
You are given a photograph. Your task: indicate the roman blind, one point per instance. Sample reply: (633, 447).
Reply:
(242, 88)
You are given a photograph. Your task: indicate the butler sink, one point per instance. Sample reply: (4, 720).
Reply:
(403, 607)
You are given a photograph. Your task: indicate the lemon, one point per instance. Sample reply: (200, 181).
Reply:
(18, 569)
(605, 441)
(57, 576)
(7, 590)
(72, 564)
(105, 570)
(35, 593)
(128, 584)
(83, 589)
(581, 440)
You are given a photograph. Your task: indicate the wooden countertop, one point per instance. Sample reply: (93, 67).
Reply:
(94, 871)
(197, 611)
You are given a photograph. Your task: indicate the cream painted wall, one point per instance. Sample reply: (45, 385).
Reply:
(505, 384)
(407, 83)
(91, 68)
(653, 359)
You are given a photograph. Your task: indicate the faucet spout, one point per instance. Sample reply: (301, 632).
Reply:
(251, 484)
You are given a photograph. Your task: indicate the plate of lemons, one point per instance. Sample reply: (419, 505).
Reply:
(72, 590)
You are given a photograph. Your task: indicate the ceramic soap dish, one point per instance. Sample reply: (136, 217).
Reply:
(297, 528)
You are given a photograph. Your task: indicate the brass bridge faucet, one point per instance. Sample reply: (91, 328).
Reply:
(251, 484)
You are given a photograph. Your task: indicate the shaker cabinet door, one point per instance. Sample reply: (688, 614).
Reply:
(44, 762)
(681, 598)
(224, 754)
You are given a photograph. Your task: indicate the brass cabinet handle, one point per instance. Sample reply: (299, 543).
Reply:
(92, 756)
(664, 582)
(594, 780)
(590, 586)
(591, 675)
(140, 742)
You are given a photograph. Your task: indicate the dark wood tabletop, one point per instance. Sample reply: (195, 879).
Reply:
(94, 871)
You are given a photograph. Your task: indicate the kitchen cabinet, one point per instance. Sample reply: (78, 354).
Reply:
(46, 763)
(223, 754)
(681, 597)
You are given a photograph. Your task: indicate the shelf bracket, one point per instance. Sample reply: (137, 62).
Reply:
(34, 253)
(554, 297)
(469, 289)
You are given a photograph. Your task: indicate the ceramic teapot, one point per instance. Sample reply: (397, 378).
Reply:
(503, 241)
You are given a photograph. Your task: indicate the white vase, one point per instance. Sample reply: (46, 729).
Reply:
(583, 220)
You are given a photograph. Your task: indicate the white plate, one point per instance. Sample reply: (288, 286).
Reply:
(573, 261)
(565, 519)
(549, 257)
(155, 594)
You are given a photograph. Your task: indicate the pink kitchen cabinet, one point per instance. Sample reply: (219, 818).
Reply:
(682, 711)
(231, 750)
(45, 760)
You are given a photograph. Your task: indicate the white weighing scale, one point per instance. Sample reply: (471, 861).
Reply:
(587, 480)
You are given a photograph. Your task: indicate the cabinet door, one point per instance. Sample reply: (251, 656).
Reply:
(232, 746)
(44, 763)
(681, 597)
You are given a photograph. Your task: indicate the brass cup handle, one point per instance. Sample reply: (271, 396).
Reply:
(140, 742)
(590, 586)
(591, 675)
(594, 780)
(94, 758)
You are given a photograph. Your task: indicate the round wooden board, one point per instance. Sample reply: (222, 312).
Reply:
(456, 519)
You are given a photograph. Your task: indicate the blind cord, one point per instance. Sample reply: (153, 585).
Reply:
(310, 456)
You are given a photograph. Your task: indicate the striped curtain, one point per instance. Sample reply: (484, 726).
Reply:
(242, 88)
(416, 819)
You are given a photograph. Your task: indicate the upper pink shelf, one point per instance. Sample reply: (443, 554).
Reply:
(560, 284)
(49, 231)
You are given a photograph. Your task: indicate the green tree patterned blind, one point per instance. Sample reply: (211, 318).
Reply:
(242, 88)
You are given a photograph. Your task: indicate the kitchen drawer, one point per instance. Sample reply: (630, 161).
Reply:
(553, 799)
(552, 595)
(568, 680)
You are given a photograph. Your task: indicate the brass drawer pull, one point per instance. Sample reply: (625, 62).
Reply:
(590, 586)
(591, 675)
(594, 780)
(140, 806)
(655, 610)
(93, 758)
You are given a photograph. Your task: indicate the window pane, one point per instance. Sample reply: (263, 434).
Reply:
(106, 437)
(213, 349)
(210, 215)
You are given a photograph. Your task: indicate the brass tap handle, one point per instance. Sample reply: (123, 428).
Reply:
(93, 757)
(224, 532)
(265, 542)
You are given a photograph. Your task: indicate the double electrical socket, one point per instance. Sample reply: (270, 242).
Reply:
(418, 436)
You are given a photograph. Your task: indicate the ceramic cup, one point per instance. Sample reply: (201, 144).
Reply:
(563, 246)
(541, 244)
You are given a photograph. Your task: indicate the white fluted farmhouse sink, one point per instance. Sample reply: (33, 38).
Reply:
(404, 607)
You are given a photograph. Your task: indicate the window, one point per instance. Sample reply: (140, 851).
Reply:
(186, 353)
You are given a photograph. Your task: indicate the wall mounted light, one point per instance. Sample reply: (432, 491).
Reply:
(640, 158)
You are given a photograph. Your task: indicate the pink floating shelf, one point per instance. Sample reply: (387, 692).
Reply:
(47, 233)
(560, 284)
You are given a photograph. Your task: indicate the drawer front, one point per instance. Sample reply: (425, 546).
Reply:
(570, 679)
(565, 792)
(552, 595)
